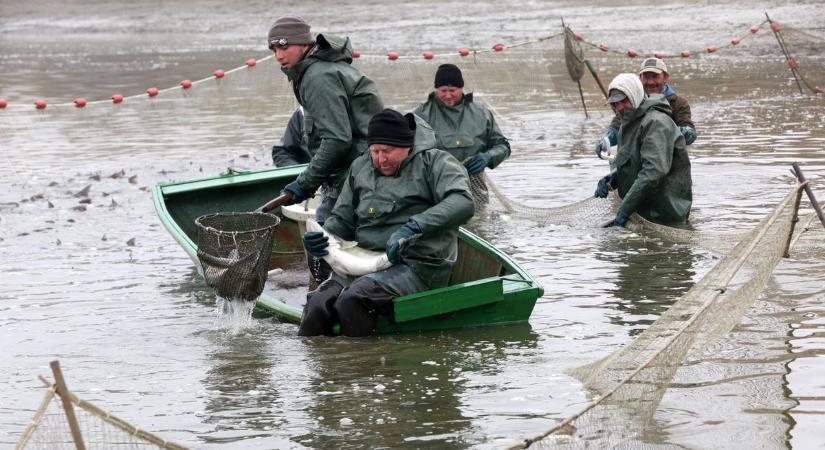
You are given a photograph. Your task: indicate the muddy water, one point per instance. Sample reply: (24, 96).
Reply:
(103, 288)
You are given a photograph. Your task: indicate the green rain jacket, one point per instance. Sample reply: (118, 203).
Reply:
(652, 166)
(430, 187)
(464, 130)
(338, 103)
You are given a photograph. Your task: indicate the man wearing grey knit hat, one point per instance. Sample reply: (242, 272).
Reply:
(338, 102)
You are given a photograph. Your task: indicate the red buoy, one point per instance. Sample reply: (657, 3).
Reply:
(754, 28)
(40, 104)
(685, 53)
(428, 55)
(117, 98)
(392, 56)
(818, 90)
(712, 48)
(464, 51)
(218, 73)
(186, 84)
(774, 27)
(356, 54)
(631, 52)
(80, 102)
(736, 40)
(3, 103)
(498, 47)
(792, 63)
(152, 91)
(578, 37)
(251, 62)
(660, 55)
(603, 47)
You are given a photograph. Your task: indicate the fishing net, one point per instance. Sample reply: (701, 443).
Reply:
(629, 383)
(573, 55)
(234, 250)
(49, 428)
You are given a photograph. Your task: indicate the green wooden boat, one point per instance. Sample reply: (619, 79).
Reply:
(487, 286)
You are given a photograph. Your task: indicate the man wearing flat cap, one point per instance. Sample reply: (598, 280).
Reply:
(403, 197)
(463, 128)
(652, 174)
(654, 77)
(338, 102)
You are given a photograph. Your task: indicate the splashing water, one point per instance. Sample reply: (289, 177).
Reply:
(234, 315)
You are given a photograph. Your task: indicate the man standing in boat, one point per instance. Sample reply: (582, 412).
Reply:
(652, 173)
(463, 128)
(403, 197)
(338, 101)
(654, 77)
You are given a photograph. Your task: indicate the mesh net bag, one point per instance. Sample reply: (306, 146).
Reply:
(234, 250)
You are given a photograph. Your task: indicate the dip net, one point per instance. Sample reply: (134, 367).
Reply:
(51, 429)
(628, 384)
(234, 251)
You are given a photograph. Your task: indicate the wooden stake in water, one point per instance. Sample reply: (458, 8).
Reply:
(63, 392)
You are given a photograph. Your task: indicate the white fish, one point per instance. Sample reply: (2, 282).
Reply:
(346, 258)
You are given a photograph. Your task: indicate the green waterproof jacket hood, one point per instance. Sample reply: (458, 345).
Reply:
(430, 187)
(652, 165)
(338, 102)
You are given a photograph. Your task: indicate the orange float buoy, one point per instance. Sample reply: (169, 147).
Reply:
(464, 51)
(356, 54)
(603, 47)
(251, 62)
(818, 90)
(392, 56)
(218, 73)
(186, 84)
(792, 63)
(428, 55)
(774, 27)
(660, 55)
(578, 37)
(736, 40)
(40, 104)
(3, 103)
(152, 91)
(117, 98)
(631, 52)
(80, 102)
(754, 28)
(712, 48)
(498, 47)
(685, 53)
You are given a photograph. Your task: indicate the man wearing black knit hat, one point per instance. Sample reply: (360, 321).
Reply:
(403, 197)
(465, 129)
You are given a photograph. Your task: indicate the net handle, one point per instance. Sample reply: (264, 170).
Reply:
(276, 202)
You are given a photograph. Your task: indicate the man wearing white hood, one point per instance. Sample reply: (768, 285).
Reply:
(652, 173)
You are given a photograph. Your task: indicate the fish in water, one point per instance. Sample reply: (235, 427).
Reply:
(346, 258)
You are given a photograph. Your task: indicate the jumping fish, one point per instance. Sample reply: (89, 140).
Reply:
(346, 258)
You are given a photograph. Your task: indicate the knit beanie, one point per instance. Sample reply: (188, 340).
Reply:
(288, 30)
(448, 75)
(389, 127)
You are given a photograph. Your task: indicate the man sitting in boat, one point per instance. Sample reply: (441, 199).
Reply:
(403, 197)
(463, 128)
(652, 173)
(654, 77)
(292, 148)
(338, 101)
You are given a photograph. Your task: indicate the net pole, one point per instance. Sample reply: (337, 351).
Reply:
(785, 52)
(786, 252)
(63, 392)
(801, 176)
